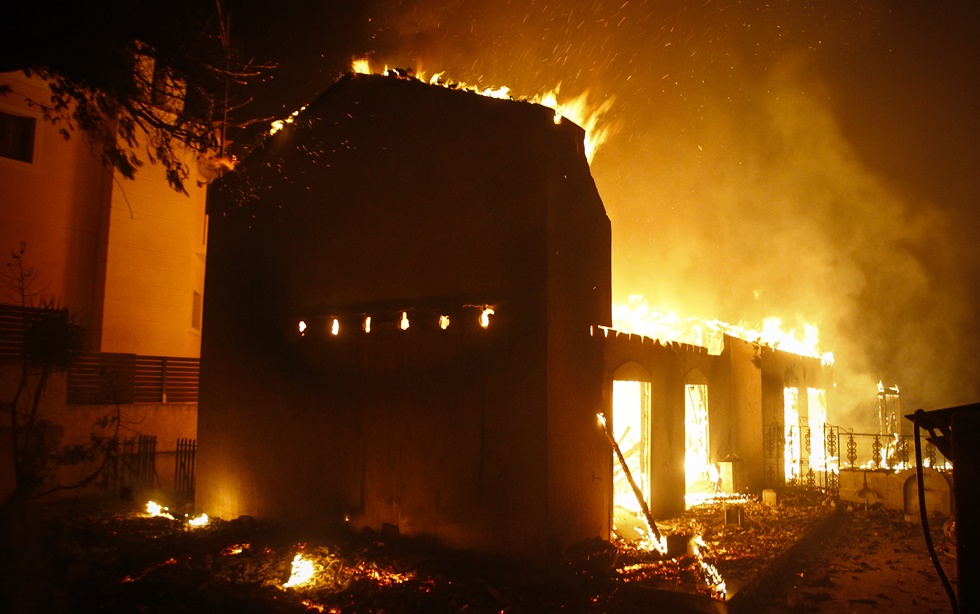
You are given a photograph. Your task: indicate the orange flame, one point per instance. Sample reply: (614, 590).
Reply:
(580, 110)
(637, 317)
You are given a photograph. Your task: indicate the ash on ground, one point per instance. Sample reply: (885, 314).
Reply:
(123, 560)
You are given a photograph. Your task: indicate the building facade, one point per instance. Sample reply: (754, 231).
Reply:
(407, 316)
(125, 257)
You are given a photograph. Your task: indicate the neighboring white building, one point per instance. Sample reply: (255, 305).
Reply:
(126, 257)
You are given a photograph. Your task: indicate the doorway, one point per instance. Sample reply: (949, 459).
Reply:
(631, 430)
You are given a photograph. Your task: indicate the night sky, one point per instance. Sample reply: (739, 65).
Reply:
(816, 160)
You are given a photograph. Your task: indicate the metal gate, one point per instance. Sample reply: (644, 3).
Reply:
(184, 471)
(802, 456)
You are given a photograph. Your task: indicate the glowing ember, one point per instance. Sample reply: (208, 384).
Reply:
(711, 574)
(315, 607)
(302, 572)
(579, 110)
(383, 577)
(236, 549)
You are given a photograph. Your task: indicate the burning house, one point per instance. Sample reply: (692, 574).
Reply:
(408, 329)
(398, 325)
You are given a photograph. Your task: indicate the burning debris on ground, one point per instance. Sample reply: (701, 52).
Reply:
(135, 561)
(718, 552)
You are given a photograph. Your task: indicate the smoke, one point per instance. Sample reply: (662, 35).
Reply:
(771, 159)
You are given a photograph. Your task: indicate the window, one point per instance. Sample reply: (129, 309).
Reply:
(196, 311)
(168, 92)
(17, 137)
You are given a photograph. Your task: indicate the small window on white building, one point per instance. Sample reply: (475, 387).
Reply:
(17, 137)
(196, 308)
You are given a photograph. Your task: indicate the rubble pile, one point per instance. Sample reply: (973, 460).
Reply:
(129, 561)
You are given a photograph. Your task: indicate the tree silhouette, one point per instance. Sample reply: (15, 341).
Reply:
(145, 81)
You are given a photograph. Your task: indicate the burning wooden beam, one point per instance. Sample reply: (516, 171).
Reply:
(660, 542)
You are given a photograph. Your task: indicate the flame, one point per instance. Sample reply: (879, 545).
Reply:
(335, 327)
(637, 317)
(892, 390)
(700, 474)
(279, 124)
(367, 324)
(443, 322)
(302, 327)
(303, 571)
(361, 66)
(580, 110)
(711, 574)
(485, 317)
(404, 321)
(650, 539)
(200, 521)
(155, 510)
(236, 549)
(309, 604)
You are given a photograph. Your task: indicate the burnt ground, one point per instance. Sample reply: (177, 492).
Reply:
(872, 561)
(804, 555)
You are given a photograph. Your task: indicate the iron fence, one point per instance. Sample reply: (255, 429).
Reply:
(892, 452)
(810, 457)
(134, 467)
(813, 457)
(184, 471)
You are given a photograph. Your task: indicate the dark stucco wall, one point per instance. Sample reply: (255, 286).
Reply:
(389, 196)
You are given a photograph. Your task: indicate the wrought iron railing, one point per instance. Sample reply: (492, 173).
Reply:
(810, 457)
(889, 452)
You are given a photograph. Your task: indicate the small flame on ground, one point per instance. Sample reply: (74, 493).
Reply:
(367, 324)
(335, 327)
(155, 510)
(404, 321)
(303, 571)
(301, 327)
(443, 322)
(200, 521)
(313, 606)
(236, 549)
(712, 576)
